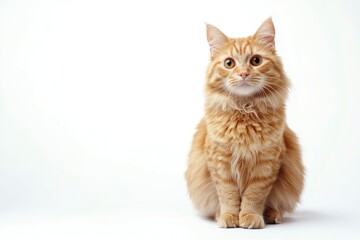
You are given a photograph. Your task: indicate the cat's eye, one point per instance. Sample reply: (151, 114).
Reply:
(229, 63)
(256, 60)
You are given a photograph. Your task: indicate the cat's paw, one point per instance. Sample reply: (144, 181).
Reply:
(271, 216)
(228, 220)
(251, 220)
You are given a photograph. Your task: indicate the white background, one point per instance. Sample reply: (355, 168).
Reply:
(99, 101)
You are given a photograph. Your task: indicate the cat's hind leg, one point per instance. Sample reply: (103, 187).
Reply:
(202, 189)
(272, 216)
(200, 185)
(287, 188)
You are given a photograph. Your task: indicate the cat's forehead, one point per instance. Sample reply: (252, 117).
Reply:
(244, 47)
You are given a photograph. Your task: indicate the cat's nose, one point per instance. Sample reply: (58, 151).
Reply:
(243, 74)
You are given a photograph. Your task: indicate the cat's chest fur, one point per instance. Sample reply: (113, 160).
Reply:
(244, 135)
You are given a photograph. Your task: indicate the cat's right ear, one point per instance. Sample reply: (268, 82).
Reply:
(216, 39)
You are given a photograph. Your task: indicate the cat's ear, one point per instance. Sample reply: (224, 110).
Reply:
(216, 39)
(266, 34)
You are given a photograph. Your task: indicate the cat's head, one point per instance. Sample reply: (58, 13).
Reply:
(246, 68)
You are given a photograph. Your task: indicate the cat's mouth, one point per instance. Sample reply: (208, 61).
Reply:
(247, 84)
(242, 87)
(243, 83)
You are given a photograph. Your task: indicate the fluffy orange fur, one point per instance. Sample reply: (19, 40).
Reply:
(244, 167)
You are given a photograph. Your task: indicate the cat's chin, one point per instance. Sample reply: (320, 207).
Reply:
(244, 90)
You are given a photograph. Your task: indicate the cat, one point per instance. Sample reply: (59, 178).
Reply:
(244, 167)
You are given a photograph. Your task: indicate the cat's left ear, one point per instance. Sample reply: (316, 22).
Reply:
(266, 34)
(216, 39)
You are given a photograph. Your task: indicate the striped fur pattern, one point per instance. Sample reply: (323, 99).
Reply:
(244, 167)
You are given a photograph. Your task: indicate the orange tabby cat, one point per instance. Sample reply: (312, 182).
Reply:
(245, 163)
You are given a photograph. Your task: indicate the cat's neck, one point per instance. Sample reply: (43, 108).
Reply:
(228, 103)
(252, 107)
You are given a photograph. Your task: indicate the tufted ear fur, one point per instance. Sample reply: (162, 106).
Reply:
(216, 39)
(266, 34)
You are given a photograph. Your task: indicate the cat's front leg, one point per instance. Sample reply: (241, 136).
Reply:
(228, 193)
(256, 193)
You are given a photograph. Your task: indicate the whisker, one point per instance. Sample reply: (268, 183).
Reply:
(270, 88)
